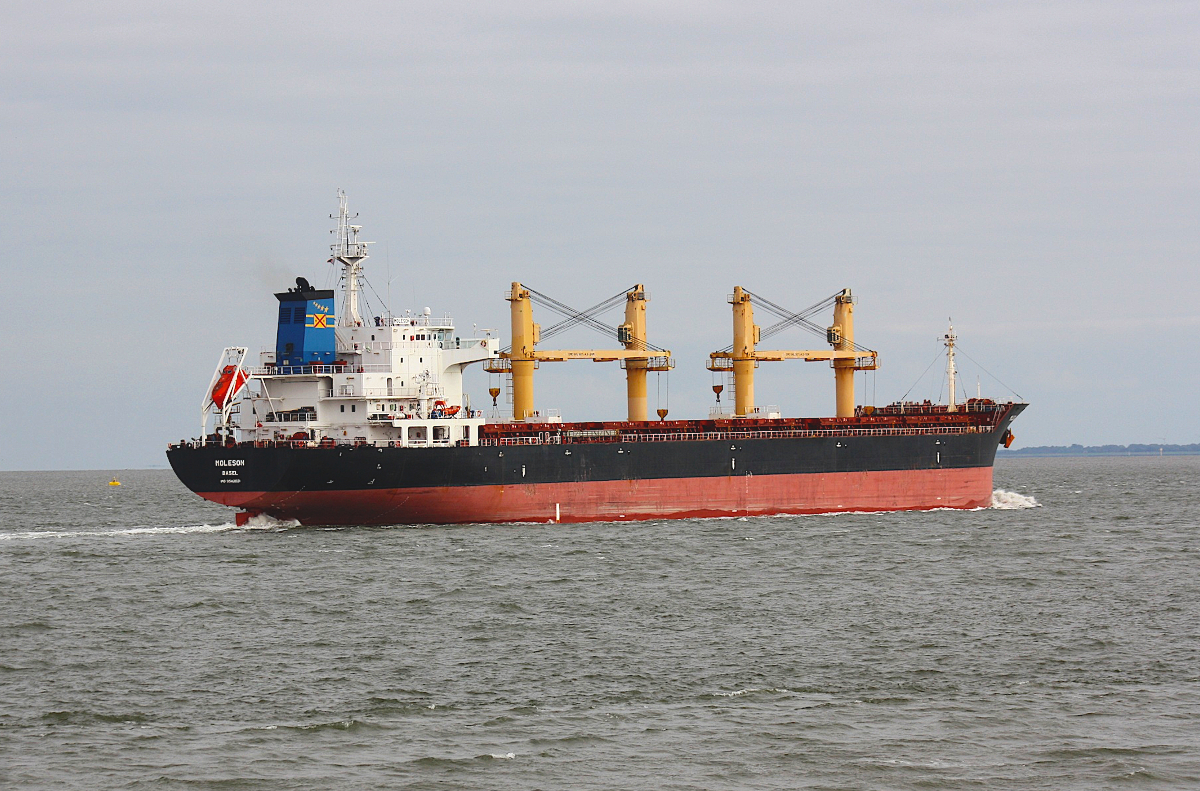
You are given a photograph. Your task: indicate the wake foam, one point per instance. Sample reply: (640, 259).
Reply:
(265, 522)
(1007, 501)
(261, 522)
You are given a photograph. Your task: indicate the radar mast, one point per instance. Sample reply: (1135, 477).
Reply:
(349, 252)
(951, 372)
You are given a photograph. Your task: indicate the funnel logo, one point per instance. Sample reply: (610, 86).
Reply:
(319, 320)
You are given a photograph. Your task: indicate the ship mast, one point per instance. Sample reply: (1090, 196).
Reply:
(951, 372)
(349, 252)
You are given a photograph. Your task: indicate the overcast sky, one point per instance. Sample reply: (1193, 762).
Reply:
(1030, 169)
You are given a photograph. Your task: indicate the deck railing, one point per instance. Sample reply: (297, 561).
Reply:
(556, 438)
(565, 438)
(308, 370)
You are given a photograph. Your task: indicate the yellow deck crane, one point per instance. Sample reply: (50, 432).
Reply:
(638, 357)
(742, 357)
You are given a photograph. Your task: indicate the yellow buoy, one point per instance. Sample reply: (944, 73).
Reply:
(114, 482)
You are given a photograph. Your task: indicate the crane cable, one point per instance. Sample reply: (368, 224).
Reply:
(989, 373)
(586, 317)
(573, 316)
(798, 319)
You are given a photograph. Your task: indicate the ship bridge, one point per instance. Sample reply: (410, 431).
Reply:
(337, 376)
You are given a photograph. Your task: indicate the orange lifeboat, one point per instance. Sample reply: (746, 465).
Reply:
(230, 381)
(440, 410)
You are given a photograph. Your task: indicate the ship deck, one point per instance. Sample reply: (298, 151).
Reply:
(894, 420)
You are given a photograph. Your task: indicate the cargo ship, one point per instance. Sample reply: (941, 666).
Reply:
(354, 418)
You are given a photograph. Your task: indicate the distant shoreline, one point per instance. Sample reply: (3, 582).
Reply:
(1101, 450)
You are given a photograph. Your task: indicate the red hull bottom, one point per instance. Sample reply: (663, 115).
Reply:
(659, 498)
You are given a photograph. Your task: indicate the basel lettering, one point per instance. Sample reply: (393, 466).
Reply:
(230, 476)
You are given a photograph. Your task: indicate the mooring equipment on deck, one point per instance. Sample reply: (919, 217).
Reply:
(638, 357)
(741, 358)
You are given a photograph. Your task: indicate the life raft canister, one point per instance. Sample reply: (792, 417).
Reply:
(226, 384)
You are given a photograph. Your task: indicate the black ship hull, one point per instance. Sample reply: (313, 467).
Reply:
(731, 474)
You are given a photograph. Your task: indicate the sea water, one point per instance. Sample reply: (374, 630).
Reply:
(1049, 642)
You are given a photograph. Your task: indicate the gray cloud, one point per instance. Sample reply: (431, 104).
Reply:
(1027, 168)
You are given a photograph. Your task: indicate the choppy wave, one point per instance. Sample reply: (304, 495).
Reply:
(93, 717)
(1005, 500)
(255, 660)
(751, 690)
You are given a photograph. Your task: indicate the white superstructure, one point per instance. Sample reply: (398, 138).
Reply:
(394, 380)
